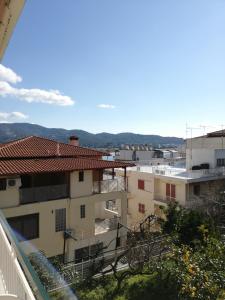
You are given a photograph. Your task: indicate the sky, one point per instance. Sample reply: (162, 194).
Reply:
(143, 66)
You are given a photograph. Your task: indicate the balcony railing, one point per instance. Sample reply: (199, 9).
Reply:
(43, 193)
(188, 174)
(17, 277)
(109, 185)
(164, 199)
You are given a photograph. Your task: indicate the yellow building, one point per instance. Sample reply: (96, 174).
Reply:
(57, 198)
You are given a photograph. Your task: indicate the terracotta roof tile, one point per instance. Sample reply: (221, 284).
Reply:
(32, 166)
(34, 147)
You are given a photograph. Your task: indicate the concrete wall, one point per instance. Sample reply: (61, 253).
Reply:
(144, 155)
(10, 196)
(202, 150)
(125, 155)
(200, 156)
(84, 188)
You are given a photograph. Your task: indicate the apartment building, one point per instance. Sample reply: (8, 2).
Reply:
(56, 197)
(203, 179)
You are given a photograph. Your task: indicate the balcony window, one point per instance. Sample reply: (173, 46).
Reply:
(82, 211)
(81, 254)
(2, 184)
(25, 227)
(81, 176)
(220, 162)
(171, 191)
(60, 219)
(141, 184)
(196, 190)
(141, 208)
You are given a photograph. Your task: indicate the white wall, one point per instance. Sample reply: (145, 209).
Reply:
(202, 150)
(126, 155)
(200, 156)
(144, 155)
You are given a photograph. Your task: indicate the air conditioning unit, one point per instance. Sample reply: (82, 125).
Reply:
(11, 182)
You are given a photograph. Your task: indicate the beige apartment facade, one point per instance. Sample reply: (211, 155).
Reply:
(68, 210)
(83, 229)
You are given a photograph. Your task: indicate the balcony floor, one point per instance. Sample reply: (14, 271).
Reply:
(101, 226)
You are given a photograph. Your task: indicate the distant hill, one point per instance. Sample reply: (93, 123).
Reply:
(12, 131)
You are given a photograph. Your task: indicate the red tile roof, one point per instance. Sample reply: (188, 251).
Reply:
(34, 147)
(33, 166)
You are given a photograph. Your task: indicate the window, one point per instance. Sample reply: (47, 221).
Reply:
(196, 190)
(141, 184)
(25, 227)
(60, 219)
(85, 253)
(96, 249)
(2, 184)
(171, 191)
(220, 162)
(141, 208)
(81, 176)
(82, 211)
(81, 254)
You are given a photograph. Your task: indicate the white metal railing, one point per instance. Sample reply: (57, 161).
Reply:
(11, 275)
(109, 185)
(17, 276)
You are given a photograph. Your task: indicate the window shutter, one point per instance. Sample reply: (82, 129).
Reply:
(168, 190)
(173, 191)
(141, 184)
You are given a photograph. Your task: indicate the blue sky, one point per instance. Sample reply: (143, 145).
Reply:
(157, 64)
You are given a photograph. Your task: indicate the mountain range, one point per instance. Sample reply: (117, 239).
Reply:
(12, 131)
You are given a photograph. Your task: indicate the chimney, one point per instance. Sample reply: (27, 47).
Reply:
(74, 140)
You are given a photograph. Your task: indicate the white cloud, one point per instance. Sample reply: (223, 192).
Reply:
(29, 95)
(12, 116)
(9, 75)
(106, 106)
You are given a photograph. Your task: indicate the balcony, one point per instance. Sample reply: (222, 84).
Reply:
(109, 185)
(187, 174)
(17, 277)
(164, 199)
(105, 225)
(43, 193)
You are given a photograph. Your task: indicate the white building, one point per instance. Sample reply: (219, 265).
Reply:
(150, 187)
